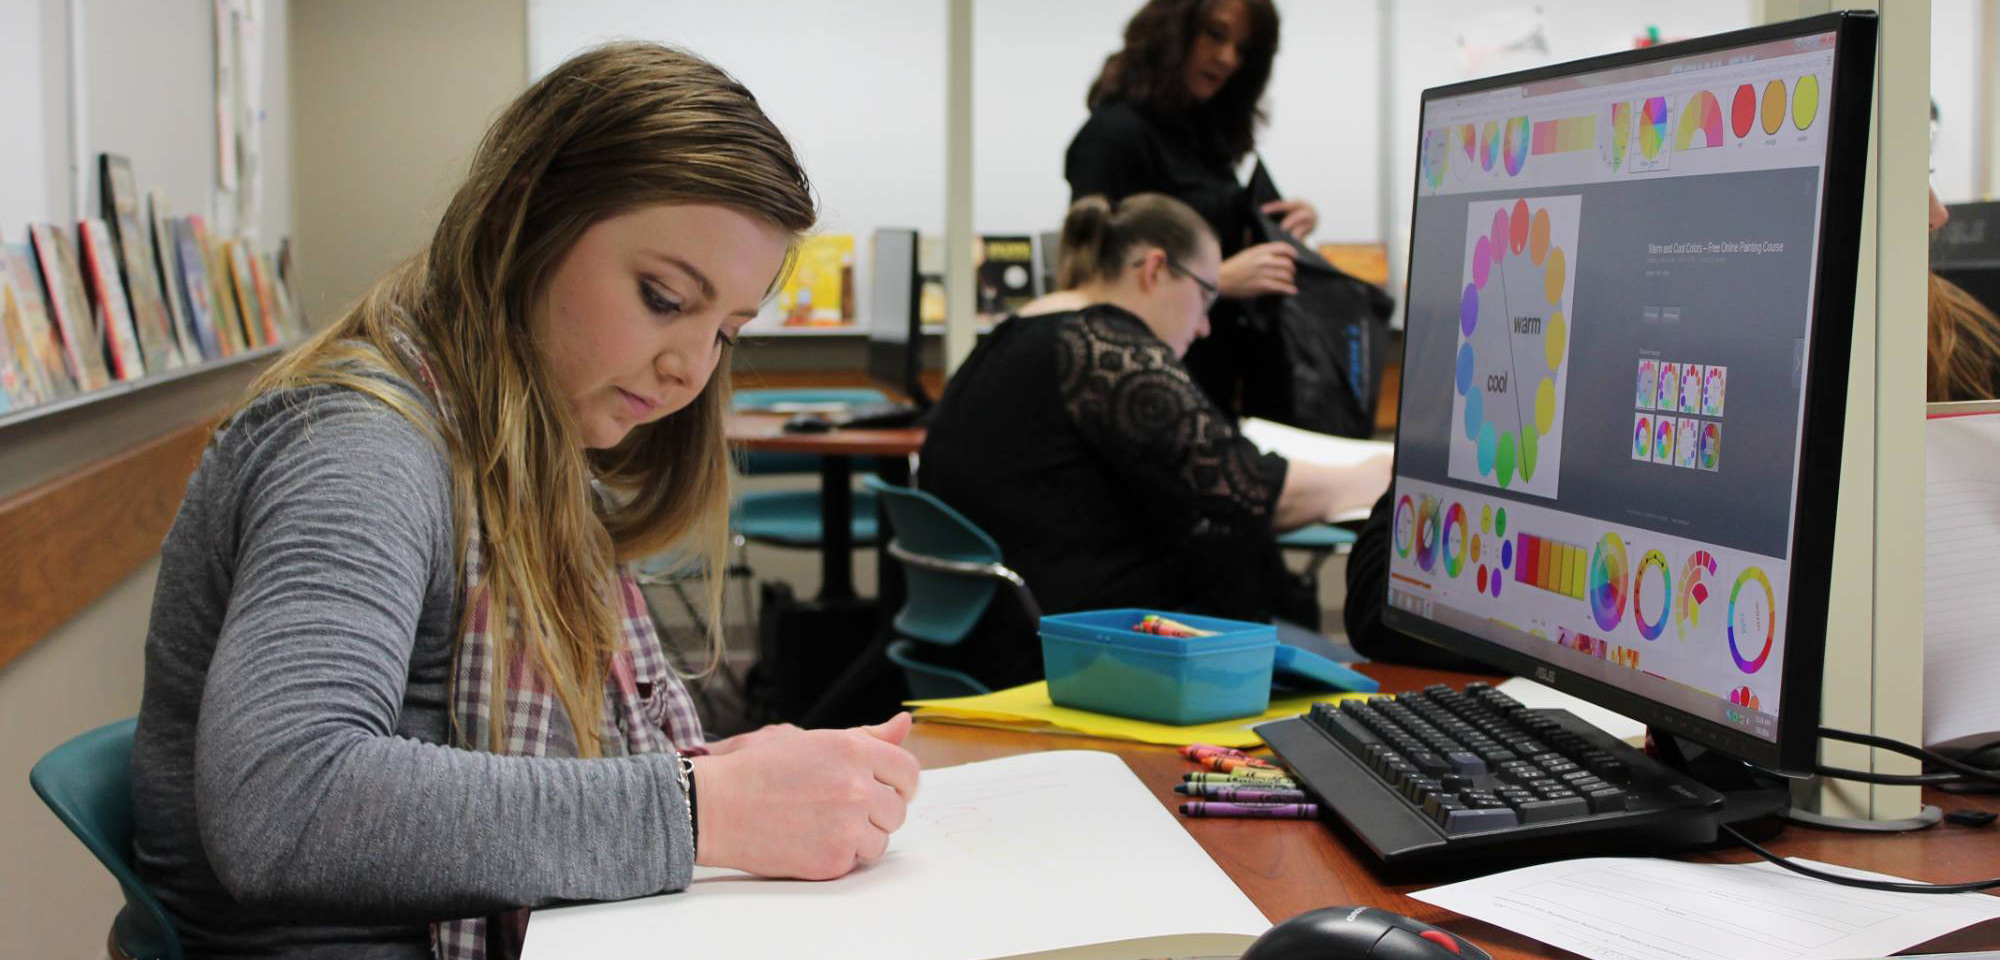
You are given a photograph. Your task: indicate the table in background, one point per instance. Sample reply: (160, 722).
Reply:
(838, 633)
(837, 450)
(1289, 867)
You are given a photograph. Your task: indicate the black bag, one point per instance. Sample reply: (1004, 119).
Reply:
(1333, 333)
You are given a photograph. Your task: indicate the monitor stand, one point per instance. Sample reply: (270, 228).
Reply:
(1758, 804)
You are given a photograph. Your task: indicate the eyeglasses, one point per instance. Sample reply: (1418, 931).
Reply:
(1209, 291)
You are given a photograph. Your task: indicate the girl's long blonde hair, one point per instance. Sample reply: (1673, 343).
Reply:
(614, 129)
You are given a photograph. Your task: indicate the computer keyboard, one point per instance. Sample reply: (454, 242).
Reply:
(1444, 772)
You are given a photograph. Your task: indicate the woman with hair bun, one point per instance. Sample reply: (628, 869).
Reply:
(1078, 441)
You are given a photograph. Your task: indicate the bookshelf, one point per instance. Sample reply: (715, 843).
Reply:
(15, 418)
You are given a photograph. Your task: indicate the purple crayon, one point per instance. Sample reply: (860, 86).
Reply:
(1270, 811)
(1243, 794)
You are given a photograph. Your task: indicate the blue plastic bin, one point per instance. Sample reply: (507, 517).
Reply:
(1096, 661)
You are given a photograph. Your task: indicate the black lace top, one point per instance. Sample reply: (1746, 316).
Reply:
(1079, 443)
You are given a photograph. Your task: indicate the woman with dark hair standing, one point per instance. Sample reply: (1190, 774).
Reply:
(1174, 112)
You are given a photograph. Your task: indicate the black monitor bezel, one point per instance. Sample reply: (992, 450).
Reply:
(1797, 746)
(899, 366)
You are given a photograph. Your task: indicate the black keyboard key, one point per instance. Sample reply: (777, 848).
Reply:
(1544, 811)
(1612, 769)
(1606, 800)
(1345, 731)
(1474, 821)
(1466, 762)
(1429, 762)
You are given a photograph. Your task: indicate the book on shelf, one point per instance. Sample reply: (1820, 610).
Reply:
(1006, 275)
(184, 252)
(47, 368)
(17, 386)
(281, 291)
(222, 287)
(930, 279)
(236, 253)
(81, 329)
(133, 245)
(160, 225)
(107, 299)
(264, 277)
(820, 291)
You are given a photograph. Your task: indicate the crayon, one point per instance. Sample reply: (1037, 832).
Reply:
(1245, 793)
(1202, 751)
(1163, 627)
(1270, 811)
(1235, 764)
(1245, 777)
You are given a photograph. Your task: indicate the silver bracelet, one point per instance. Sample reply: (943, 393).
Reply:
(684, 773)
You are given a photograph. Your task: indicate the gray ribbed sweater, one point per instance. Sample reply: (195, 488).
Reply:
(294, 795)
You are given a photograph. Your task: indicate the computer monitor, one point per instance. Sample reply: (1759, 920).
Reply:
(1631, 293)
(895, 324)
(1966, 250)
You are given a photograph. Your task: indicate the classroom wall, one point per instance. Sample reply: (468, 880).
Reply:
(1962, 32)
(392, 99)
(862, 98)
(147, 86)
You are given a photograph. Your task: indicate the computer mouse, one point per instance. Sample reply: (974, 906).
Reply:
(808, 423)
(1354, 933)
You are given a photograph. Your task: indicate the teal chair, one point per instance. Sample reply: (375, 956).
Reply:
(953, 570)
(88, 783)
(791, 518)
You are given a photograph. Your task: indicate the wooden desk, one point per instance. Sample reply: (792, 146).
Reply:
(1289, 867)
(836, 450)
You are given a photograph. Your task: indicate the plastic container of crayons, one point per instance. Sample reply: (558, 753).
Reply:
(1174, 668)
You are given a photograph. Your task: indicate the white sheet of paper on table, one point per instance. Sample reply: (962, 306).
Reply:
(1539, 697)
(1024, 854)
(1643, 909)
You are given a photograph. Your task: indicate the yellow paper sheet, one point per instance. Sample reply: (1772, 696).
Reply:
(1027, 708)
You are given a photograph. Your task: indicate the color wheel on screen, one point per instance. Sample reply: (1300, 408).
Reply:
(1617, 135)
(1406, 526)
(1454, 540)
(1653, 129)
(1608, 586)
(1435, 156)
(1694, 592)
(1427, 533)
(1652, 568)
(1701, 123)
(1512, 363)
(1515, 150)
(1752, 620)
